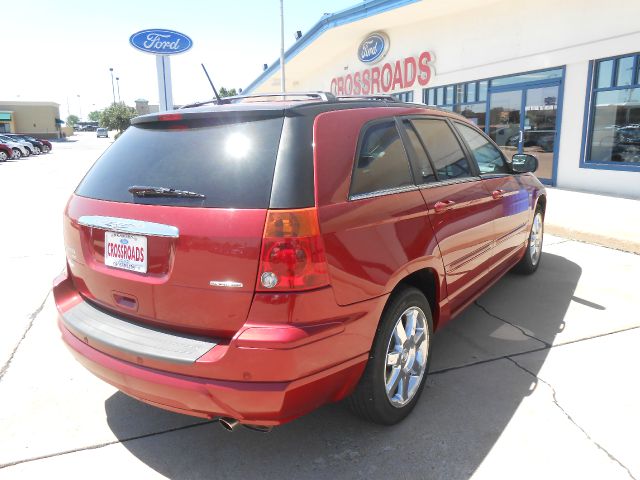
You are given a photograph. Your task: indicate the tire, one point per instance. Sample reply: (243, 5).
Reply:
(3, 156)
(533, 250)
(391, 358)
(17, 154)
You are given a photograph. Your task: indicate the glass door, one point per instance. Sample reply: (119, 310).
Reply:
(540, 127)
(524, 120)
(505, 120)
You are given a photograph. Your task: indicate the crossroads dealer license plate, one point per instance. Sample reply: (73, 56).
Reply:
(125, 251)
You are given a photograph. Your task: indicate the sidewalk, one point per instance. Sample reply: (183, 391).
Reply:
(609, 221)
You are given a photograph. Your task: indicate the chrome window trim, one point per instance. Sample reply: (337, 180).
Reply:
(380, 193)
(452, 181)
(127, 225)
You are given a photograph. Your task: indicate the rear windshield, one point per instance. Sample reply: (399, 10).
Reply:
(231, 164)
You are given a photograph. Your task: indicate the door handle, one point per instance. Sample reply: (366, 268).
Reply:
(443, 205)
(497, 194)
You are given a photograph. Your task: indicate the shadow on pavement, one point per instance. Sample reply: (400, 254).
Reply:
(469, 400)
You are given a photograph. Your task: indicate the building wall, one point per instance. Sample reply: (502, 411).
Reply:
(503, 38)
(35, 118)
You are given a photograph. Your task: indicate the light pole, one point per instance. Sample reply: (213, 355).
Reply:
(118, 84)
(113, 89)
(283, 86)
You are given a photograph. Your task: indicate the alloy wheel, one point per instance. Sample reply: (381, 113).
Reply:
(406, 358)
(535, 240)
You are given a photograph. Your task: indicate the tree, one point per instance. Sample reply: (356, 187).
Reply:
(227, 93)
(72, 120)
(117, 117)
(95, 116)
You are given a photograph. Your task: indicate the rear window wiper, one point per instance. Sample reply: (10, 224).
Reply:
(144, 191)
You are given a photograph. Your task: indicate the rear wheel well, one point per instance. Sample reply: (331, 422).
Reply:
(424, 280)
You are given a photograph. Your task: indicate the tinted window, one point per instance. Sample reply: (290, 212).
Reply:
(443, 148)
(232, 164)
(426, 170)
(488, 157)
(382, 162)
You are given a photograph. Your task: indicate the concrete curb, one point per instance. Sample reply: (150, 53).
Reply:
(595, 238)
(605, 220)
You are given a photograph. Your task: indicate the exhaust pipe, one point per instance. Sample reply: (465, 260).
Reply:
(228, 423)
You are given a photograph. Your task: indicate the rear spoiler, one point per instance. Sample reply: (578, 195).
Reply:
(209, 116)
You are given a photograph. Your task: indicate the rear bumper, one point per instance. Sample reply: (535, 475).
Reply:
(256, 403)
(268, 374)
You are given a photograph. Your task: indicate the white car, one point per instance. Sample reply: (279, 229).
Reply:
(19, 149)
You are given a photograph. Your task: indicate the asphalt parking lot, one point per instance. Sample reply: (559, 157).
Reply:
(537, 379)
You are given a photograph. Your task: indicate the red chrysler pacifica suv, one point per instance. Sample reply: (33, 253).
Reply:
(255, 259)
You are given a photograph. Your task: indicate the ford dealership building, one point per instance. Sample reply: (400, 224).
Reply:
(560, 80)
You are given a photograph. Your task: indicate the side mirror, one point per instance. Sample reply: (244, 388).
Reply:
(523, 163)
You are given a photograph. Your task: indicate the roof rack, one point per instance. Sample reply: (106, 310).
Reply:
(385, 98)
(323, 96)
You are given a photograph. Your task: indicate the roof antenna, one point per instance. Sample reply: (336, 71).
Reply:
(211, 83)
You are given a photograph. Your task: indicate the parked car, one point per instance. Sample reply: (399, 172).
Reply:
(5, 152)
(36, 145)
(43, 144)
(46, 145)
(267, 270)
(19, 149)
(102, 132)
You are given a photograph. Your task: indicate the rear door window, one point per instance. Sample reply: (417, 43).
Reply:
(426, 174)
(232, 164)
(487, 156)
(382, 162)
(443, 148)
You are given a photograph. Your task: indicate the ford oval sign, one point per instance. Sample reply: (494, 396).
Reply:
(160, 42)
(373, 48)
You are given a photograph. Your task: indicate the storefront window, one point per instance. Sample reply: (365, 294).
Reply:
(471, 92)
(614, 117)
(404, 96)
(605, 71)
(476, 112)
(482, 91)
(527, 77)
(450, 100)
(624, 76)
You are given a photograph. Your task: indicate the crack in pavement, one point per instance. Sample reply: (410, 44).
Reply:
(533, 350)
(546, 244)
(105, 444)
(571, 419)
(522, 330)
(32, 318)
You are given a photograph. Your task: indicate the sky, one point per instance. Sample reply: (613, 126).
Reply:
(67, 47)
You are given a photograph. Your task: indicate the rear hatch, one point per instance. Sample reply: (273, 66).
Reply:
(181, 251)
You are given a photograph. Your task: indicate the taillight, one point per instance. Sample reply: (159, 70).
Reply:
(292, 256)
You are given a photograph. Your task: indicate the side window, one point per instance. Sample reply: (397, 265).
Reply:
(426, 170)
(443, 148)
(488, 157)
(382, 163)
